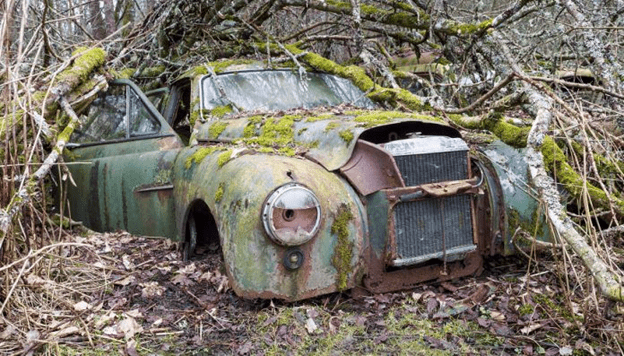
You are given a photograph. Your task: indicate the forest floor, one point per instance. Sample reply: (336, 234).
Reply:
(151, 302)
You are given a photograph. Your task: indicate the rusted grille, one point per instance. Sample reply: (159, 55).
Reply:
(432, 228)
(433, 167)
(425, 229)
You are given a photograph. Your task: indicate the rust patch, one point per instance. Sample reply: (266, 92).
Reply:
(371, 168)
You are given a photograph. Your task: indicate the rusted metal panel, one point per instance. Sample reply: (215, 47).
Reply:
(371, 169)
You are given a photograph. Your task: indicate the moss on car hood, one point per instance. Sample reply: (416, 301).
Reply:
(325, 136)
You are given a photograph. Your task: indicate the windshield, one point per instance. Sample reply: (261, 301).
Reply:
(279, 90)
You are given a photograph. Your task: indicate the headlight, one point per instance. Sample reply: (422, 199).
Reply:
(291, 215)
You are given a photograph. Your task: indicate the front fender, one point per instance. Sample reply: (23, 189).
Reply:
(235, 192)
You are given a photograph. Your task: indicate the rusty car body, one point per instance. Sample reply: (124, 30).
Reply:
(307, 187)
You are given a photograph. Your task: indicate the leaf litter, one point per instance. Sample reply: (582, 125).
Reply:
(133, 295)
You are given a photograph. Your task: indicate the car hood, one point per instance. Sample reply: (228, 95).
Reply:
(325, 137)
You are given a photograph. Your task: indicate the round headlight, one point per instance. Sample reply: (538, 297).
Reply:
(291, 215)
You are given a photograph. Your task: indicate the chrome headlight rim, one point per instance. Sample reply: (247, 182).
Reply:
(288, 214)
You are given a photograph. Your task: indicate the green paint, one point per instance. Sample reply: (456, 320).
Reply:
(219, 193)
(343, 252)
(224, 158)
(199, 155)
(217, 128)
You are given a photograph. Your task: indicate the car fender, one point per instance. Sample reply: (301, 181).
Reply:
(235, 191)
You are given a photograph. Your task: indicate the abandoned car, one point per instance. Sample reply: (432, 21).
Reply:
(301, 181)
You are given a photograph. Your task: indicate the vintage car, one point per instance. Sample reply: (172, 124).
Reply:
(305, 185)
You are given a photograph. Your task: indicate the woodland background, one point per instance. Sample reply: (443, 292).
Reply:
(546, 75)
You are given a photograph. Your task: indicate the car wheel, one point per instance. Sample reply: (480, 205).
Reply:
(191, 242)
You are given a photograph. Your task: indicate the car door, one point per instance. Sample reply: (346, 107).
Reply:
(121, 162)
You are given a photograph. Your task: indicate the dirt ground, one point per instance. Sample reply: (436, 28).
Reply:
(149, 302)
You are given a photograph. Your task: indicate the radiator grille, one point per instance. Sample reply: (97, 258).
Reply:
(424, 228)
(433, 167)
(432, 228)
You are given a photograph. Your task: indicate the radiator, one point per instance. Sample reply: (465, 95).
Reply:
(436, 228)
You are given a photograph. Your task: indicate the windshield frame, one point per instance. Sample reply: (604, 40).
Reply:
(202, 107)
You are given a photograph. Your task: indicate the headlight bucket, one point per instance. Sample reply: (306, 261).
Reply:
(291, 215)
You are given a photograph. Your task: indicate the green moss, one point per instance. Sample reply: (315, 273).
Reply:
(224, 158)
(510, 134)
(287, 151)
(125, 73)
(343, 252)
(375, 118)
(557, 164)
(274, 132)
(219, 193)
(320, 117)
(462, 29)
(84, 64)
(216, 129)
(217, 67)
(397, 97)
(153, 71)
(346, 135)
(221, 111)
(253, 124)
(526, 309)
(196, 114)
(330, 126)
(199, 155)
(356, 74)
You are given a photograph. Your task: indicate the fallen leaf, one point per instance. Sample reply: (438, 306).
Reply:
(131, 348)
(310, 326)
(135, 313)
(35, 280)
(151, 290)
(82, 306)
(206, 276)
(530, 328)
(125, 259)
(126, 281)
(244, 349)
(498, 316)
(8, 332)
(128, 328)
(182, 279)
(188, 269)
(105, 319)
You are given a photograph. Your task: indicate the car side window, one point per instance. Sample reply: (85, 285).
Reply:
(141, 121)
(116, 114)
